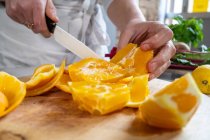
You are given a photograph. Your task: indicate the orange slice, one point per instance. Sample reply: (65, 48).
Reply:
(133, 59)
(62, 84)
(139, 90)
(12, 92)
(173, 106)
(100, 98)
(41, 76)
(94, 69)
(49, 85)
(123, 53)
(202, 77)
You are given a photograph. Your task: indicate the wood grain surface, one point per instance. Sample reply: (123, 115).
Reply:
(54, 116)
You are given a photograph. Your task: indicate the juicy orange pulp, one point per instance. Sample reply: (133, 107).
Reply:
(94, 69)
(100, 98)
(12, 92)
(173, 106)
(132, 58)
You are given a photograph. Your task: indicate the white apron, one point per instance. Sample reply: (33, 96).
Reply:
(20, 47)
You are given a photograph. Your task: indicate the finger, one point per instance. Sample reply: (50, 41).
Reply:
(165, 54)
(51, 11)
(39, 19)
(124, 39)
(159, 71)
(158, 40)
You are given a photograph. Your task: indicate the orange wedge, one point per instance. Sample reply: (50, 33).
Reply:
(173, 106)
(94, 69)
(100, 98)
(12, 93)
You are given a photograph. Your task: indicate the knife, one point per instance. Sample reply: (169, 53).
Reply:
(68, 41)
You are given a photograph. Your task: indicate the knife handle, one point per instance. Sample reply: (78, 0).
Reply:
(50, 24)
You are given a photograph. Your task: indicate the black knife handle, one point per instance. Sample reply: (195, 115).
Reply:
(50, 24)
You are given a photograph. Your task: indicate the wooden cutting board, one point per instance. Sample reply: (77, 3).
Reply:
(55, 116)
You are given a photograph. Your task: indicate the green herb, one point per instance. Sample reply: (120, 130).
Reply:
(183, 62)
(187, 30)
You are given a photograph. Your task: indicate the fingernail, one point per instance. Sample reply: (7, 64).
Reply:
(152, 66)
(145, 47)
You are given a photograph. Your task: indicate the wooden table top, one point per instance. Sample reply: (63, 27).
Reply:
(54, 116)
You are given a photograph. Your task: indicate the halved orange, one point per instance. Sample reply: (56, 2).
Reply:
(173, 106)
(94, 69)
(49, 85)
(100, 98)
(62, 84)
(41, 76)
(13, 90)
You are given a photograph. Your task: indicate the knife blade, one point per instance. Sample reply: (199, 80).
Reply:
(68, 41)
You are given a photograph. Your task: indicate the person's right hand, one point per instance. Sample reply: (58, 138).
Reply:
(31, 13)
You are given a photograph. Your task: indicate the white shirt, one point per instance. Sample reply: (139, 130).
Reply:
(20, 47)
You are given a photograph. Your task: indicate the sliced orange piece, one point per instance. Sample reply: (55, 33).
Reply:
(94, 69)
(100, 98)
(139, 90)
(62, 84)
(13, 90)
(49, 85)
(173, 106)
(202, 77)
(123, 53)
(133, 59)
(41, 76)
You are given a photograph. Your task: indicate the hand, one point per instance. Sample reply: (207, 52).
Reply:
(31, 13)
(150, 36)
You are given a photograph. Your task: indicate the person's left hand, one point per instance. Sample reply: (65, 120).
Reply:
(150, 36)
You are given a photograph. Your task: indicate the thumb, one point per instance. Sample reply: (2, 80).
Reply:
(51, 11)
(124, 39)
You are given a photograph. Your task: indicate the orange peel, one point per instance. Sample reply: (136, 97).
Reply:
(49, 85)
